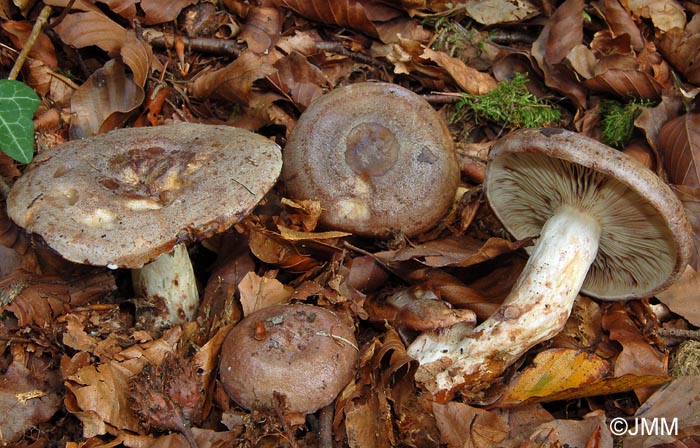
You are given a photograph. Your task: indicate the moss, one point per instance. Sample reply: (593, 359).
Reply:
(618, 120)
(510, 104)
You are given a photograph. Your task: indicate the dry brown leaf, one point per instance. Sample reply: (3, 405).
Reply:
(683, 296)
(235, 81)
(84, 29)
(554, 44)
(464, 426)
(590, 432)
(40, 299)
(665, 14)
(25, 402)
(492, 12)
(679, 141)
(300, 80)
(273, 249)
(680, 47)
(467, 78)
(160, 12)
(622, 23)
(125, 8)
(262, 292)
(98, 394)
(105, 101)
(455, 251)
(42, 49)
(626, 83)
(353, 14)
(676, 403)
(262, 27)
(638, 356)
(295, 235)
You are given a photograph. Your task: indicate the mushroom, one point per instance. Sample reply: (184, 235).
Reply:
(303, 353)
(377, 156)
(606, 226)
(128, 197)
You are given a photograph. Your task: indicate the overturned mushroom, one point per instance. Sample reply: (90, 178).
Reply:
(301, 354)
(131, 196)
(607, 226)
(377, 156)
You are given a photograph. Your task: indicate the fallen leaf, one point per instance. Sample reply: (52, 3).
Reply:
(42, 49)
(680, 47)
(492, 12)
(159, 12)
(591, 431)
(679, 141)
(262, 27)
(25, 402)
(235, 81)
(665, 14)
(464, 426)
(105, 101)
(296, 77)
(567, 374)
(467, 78)
(262, 292)
(683, 296)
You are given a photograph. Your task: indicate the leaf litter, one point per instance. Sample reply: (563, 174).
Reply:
(79, 367)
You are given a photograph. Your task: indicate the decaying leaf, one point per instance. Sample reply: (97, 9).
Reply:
(462, 425)
(25, 401)
(566, 374)
(679, 140)
(261, 292)
(683, 296)
(105, 101)
(680, 47)
(666, 14)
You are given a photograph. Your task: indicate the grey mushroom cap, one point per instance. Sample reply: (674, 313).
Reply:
(122, 198)
(304, 353)
(646, 239)
(377, 156)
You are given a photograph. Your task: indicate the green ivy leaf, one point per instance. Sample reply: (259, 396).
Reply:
(18, 102)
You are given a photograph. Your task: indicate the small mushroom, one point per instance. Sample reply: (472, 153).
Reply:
(303, 353)
(377, 156)
(606, 226)
(131, 196)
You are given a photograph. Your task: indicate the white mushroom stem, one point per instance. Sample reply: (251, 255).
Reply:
(169, 282)
(535, 310)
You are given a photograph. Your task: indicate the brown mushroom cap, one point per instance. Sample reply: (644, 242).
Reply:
(122, 198)
(646, 239)
(377, 156)
(305, 353)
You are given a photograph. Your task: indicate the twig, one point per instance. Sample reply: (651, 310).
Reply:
(36, 30)
(227, 47)
(325, 423)
(335, 47)
(678, 333)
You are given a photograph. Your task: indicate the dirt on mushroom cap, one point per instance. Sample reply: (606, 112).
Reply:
(122, 198)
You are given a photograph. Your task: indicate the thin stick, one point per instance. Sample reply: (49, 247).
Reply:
(36, 30)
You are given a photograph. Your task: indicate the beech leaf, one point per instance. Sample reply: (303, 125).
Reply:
(680, 146)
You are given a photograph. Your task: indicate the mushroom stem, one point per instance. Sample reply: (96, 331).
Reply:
(169, 281)
(535, 310)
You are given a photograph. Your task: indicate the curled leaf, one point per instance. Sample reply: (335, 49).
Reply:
(680, 146)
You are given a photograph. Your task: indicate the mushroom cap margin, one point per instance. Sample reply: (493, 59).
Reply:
(577, 150)
(122, 198)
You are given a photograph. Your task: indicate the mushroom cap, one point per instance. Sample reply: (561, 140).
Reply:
(122, 198)
(377, 156)
(305, 353)
(646, 238)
